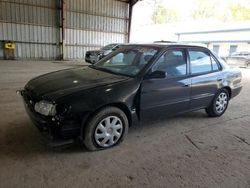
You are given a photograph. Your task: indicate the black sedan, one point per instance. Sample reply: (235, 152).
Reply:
(100, 102)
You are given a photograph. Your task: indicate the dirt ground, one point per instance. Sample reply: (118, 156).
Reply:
(190, 150)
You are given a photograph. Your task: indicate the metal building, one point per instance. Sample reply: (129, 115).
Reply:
(224, 41)
(62, 29)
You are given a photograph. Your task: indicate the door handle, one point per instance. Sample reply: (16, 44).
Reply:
(219, 79)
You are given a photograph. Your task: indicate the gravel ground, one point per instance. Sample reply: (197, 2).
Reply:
(189, 150)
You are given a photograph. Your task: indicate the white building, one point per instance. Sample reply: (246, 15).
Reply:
(223, 40)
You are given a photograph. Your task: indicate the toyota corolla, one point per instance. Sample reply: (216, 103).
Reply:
(97, 104)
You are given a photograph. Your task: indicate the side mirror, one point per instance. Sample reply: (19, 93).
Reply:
(157, 74)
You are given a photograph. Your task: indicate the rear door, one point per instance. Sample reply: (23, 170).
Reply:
(205, 77)
(169, 95)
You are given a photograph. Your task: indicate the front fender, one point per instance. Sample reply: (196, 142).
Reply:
(90, 100)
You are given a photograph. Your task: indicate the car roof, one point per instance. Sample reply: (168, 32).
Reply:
(166, 44)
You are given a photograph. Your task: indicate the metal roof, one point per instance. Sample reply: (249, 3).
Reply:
(218, 41)
(213, 31)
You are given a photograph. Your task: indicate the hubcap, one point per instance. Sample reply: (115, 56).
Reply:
(221, 103)
(108, 131)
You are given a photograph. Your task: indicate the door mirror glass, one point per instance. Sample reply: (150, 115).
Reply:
(157, 74)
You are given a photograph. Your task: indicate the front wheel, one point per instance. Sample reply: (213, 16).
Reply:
(105, 129)
(219, 104)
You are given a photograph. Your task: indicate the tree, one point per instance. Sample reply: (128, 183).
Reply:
(164, 15)
(204, 9)
(239, 12)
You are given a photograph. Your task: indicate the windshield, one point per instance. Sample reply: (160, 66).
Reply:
(127, 61)
(109, 47)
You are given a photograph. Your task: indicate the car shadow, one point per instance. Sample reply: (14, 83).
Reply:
(22, 139)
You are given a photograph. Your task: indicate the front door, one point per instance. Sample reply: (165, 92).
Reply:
(171, 94)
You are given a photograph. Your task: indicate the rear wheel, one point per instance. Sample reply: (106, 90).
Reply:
(219, 104)
(105, 129)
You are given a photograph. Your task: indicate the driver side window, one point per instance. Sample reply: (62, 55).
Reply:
(172, 62)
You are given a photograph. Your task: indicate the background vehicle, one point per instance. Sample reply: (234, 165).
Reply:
(241, 59)
(96, 55)
(138, 82)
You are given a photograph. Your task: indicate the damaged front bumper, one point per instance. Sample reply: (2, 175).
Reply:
(53, 133)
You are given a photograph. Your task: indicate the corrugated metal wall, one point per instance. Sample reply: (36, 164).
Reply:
(91, 24)
(34, 25)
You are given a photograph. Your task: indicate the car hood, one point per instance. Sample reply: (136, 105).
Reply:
(60, 83)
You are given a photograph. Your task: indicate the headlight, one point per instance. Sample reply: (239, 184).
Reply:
(46, 108)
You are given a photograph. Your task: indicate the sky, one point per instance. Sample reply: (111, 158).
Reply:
(143, 9)
(142, 25)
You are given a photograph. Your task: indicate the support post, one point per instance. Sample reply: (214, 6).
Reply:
(62, 28)
(129, 20)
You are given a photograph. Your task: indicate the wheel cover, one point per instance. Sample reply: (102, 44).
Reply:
(108, 131)
(221, 103)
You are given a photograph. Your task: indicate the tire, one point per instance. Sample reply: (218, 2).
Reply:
(218, 106)
(109, 123)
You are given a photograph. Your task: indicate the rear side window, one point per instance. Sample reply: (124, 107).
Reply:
(200, 62)
(214, 64)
